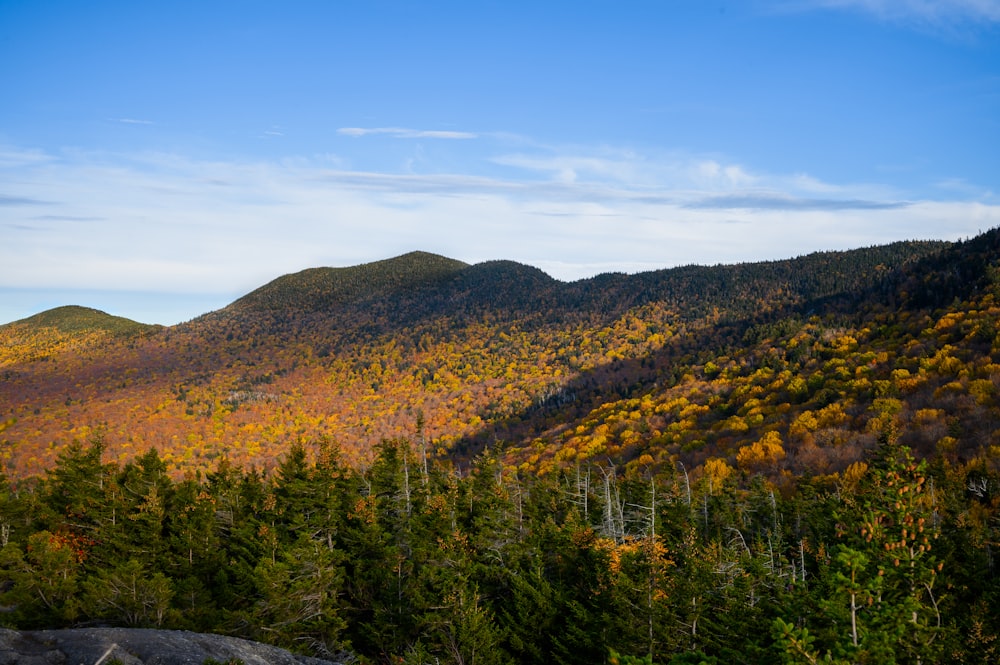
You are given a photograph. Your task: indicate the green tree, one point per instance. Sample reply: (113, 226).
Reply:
(130, 595)
(300, 598)
(881, 599)
(378, 533)
(44, 580)
(136, 500)
(898, 527)
(73, 490)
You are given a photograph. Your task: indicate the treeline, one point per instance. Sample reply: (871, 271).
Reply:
(408, 560)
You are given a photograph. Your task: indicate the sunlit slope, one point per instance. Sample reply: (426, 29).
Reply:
(811, 389)
(56, 330)
(426, 347)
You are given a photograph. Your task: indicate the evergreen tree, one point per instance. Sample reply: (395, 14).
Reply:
(300, 598)
(129, 594)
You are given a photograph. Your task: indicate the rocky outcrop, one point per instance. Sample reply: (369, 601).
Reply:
(132, 646)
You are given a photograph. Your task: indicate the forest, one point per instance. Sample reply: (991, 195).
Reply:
(495, 351)
(409, 560)
(421, 461)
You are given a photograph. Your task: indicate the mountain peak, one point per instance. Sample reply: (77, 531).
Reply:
(76, 319)
(322, 288)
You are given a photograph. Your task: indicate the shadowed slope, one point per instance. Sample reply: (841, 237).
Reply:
(475, 353)
(324, 288)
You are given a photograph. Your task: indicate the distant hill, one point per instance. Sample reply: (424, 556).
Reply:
(678, 365)
(321, 288)
(63, 328)
(75, 319)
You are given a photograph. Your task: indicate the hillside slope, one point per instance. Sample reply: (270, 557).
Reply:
(323, 288)
(61, 329)
(659, 364)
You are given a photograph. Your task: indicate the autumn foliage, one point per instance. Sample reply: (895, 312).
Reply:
(422, 460)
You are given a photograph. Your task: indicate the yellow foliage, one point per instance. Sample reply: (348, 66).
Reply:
(845, 343)
(832, 415)
(805, 423)
(717, 471)
(735, 424)
(852, 475)
(693, 410)
(653, 551)
(900, 374)
(764, 452)
(927, 416)
(950, 387)
(565, 453)
(983, 390)
(949, 320)
(887, 406)
(595, 446)
(947, 444)
(797, 387)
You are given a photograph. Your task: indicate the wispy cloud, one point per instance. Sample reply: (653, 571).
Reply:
(404, 133)
(161, 222)
(569, 168)
(134, 121)
(631, 169)
(20, 201)
(943, 14)
(12, 157)
(966, 190)
(66, 218)
(764, 201)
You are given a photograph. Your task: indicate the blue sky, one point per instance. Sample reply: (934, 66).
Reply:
(158, 160)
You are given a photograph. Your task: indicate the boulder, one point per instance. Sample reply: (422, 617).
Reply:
(138, 646)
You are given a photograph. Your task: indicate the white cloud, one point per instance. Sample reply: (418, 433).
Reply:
(12, 157)
(945, 14)
(133, 121)
(711, 173)
(569, 168)
(404, 133)
(630, 170)
(161, 222)
(964, 189)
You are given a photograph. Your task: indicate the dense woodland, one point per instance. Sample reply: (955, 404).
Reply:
(422, 461)
(408, 560)
(495, 351)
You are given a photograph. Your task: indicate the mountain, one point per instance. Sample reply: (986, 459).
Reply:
(683, 365)
(56, 330)
(323, 288)
(74, 319)
(425, 461)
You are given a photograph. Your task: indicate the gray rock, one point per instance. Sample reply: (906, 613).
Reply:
(137, 646)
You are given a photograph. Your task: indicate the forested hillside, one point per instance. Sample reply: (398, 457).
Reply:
(464, 354)
(409, 561)
(422, 461)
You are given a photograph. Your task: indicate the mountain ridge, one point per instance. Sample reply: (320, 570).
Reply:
(550, 472)
(319, 288)
(496, 351)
